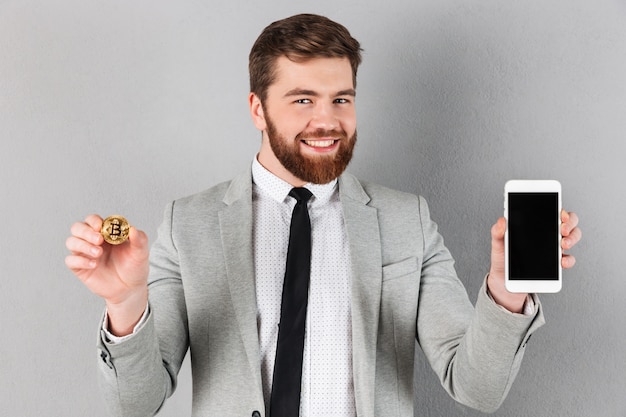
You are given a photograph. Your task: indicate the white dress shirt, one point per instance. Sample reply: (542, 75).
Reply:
(327, 387)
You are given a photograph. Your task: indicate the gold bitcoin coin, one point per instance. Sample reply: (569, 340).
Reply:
(115, 229)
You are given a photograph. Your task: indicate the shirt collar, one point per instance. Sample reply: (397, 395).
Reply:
(278, 189)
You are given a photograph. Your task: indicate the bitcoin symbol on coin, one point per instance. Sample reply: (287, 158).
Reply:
(115, 229)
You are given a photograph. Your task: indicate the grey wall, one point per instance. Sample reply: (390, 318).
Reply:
(119, 107)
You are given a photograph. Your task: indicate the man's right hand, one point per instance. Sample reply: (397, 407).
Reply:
(119, 274)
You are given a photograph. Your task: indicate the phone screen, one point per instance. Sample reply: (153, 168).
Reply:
(533, 224)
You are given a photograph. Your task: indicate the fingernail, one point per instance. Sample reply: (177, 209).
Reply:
(95, 251)
(92, 264)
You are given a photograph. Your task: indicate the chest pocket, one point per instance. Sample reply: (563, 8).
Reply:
(400, 292)
(400, 269)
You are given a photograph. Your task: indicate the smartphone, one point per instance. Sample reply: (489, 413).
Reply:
(532, 241)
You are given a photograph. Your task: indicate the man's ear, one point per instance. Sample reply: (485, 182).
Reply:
(256, 111)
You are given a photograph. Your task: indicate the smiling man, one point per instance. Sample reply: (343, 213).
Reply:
(297, 288)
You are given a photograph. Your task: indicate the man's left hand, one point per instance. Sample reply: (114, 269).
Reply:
(514, 302)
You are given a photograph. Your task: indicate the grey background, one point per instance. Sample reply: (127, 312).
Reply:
(120, 107)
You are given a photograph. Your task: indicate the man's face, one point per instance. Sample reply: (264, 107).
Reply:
(308, 120)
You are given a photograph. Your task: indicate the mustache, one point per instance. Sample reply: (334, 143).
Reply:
(321, 134)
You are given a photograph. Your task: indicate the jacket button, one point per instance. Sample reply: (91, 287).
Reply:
(106, 359)
(256, 414)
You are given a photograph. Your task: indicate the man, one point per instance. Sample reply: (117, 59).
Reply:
(380, 277)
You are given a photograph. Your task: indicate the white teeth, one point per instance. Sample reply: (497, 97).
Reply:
(319, 143)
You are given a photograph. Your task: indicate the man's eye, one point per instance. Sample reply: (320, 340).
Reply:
(341, 100)
(303, 101)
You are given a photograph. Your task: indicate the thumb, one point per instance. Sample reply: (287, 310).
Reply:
(137, 238)
(138, 244)
(497, 247)
(498, 229)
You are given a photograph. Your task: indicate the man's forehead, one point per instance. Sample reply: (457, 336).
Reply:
(314, 74)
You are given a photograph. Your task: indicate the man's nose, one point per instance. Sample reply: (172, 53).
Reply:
(324, 117)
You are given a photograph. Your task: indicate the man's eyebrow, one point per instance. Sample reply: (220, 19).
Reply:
(300, 92)
(305, 92)
(349, 92)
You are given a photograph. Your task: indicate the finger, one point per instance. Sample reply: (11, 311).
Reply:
(572, 239)
(81, 247)
(569, 222)
(94, 221)
(568, 261)
(75, 262)
(86, 232)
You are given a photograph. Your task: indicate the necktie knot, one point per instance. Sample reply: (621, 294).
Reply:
(301, 194)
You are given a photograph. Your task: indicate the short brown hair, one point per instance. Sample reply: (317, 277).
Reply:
(299, 38)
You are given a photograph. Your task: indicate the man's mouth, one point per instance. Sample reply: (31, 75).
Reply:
(320, 143)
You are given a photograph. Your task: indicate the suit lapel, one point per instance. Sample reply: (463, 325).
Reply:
(236, 233)
(365, 251)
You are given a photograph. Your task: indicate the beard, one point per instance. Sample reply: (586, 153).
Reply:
(317, 169)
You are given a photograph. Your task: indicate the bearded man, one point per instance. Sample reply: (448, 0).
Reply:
(298, 289)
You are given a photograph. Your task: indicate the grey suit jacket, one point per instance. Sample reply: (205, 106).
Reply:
(404, 291)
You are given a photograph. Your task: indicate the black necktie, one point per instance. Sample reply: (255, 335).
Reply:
(285, 398)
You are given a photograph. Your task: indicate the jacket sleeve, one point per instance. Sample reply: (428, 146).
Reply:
(475, 351)
(138, 374)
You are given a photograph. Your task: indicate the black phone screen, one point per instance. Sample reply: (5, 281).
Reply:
(533, 223)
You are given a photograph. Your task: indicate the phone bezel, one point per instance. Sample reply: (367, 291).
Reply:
(535, 285)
